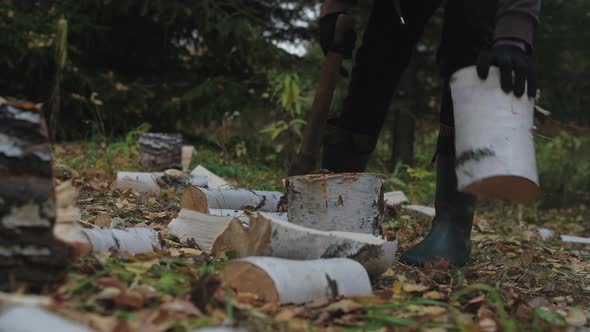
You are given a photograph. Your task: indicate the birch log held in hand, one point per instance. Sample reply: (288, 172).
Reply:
(351, 202)
(493, 139)
(286, 281)
(29, 254)
(158, 151)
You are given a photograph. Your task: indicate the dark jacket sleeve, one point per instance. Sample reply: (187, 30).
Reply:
(517, 19)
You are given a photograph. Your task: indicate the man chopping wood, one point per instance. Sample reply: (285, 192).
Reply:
(483, 33)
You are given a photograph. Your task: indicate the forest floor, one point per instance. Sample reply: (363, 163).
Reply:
(514, 281)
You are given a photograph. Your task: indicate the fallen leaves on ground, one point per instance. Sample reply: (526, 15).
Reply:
(513, 281)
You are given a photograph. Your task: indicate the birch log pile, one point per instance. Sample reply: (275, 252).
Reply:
(159, 151)
(29, 253)
(287, 281)
(350, 202)
(270, 236)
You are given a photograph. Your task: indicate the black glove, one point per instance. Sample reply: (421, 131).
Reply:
(327, 36)
(510, 59)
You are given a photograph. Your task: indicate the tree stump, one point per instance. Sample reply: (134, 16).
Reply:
(29, 254)
(350, 202)
(159, 152)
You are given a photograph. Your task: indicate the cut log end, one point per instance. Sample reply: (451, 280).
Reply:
(246, 277)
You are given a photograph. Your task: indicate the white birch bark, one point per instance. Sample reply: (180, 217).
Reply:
(350, 202)
(241, 199)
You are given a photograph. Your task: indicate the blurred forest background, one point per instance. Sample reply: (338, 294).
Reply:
(236, 78)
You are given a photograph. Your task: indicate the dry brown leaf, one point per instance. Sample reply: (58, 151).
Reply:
(104, 220)
(576, 317)
(130, 298)
(415, 288)
(343, 306)
(108, 293)
(289, 313)
(434, 295)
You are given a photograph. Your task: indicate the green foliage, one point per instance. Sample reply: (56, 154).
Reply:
(176, 64)
(285, 131)
(564, 169)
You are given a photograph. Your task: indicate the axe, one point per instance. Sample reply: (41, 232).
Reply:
(308, 156)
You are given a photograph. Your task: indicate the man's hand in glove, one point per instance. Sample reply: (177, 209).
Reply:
(331, 10)
(516, 70)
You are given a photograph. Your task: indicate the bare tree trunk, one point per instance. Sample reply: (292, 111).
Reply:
(29, 253)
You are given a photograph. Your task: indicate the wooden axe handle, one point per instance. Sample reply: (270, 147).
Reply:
(320, 109)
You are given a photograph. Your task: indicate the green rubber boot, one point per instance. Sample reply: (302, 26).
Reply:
(344, 151)
(450, 235)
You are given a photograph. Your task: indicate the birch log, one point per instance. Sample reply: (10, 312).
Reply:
(138, 181)
(350, 202)
(153, 182)
(158, 151)
(269, 236)
(124, 241)
(287, 281)
(420, 210)
(29, 253)
(35, 319)
(242, 199)
(213, 181)
(395, 198)
(198, 229)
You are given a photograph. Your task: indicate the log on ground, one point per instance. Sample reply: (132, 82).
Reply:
(242, 199)
(269, 236)
(351, 202)
(290, 281)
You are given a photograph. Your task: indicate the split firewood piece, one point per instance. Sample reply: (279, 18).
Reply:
(395, 198)
(269, 236)
(186, 156)
(159, 151)
(34, 319)
(29, 253)
(198, 229)
(213, 181)
(290, 281)
(242, 199)
(244, 216)
(65, 201)
(421, 210)
(351, 202)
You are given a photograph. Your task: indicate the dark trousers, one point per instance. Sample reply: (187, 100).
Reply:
(388, 45)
